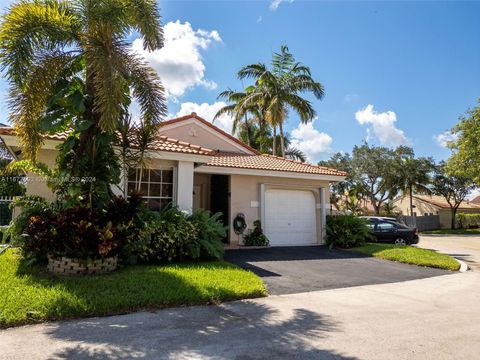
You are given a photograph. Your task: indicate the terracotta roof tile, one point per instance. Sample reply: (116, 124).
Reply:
(269, 162)
(161, 143)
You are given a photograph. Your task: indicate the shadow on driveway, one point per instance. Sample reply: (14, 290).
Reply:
(295, 269)
(238, 330)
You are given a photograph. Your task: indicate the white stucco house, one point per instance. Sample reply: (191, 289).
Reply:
(194, 164)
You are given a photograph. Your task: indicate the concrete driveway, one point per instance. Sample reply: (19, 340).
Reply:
(290, 270)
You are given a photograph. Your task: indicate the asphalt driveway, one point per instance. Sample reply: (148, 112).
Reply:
(297, 269)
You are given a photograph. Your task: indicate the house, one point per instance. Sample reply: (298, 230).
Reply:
(194, 164)
(427, 205)
(476, 200)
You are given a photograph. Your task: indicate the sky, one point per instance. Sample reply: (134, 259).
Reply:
(394, 72)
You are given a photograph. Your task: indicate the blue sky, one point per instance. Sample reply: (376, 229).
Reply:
(394, 72)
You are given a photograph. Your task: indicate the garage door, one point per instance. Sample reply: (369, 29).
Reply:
(290, 217)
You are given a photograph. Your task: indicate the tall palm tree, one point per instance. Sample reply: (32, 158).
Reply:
(278, 89)
(43, 42)
(412, 175)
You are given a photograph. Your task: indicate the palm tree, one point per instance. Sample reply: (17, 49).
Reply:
(277, 90)
(77, 50)
(413, 176)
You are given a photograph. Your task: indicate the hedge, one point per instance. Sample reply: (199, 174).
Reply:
(467, 221)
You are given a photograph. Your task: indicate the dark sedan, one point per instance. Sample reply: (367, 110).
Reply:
(392, 231)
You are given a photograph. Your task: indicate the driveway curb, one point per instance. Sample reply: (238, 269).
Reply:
(463, 266)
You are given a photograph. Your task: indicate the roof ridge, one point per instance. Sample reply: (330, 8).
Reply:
(211, 125)
(304, 163)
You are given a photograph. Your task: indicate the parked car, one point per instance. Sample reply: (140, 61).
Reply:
(391, 231)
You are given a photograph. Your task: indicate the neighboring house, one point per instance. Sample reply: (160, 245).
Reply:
(476, 200)
(194, 164)
(426, 205)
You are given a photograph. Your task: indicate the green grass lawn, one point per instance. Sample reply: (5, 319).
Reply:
(409, 255)
(29, 295)
(452, 232)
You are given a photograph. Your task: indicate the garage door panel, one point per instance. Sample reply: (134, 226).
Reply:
(290, 217)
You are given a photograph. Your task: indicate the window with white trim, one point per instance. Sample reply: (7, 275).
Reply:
(155, 186)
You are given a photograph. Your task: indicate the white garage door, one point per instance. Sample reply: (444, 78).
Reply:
(290, 217)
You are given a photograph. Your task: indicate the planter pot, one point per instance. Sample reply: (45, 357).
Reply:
(68, 266)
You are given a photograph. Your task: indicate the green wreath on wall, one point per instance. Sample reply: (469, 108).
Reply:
(239, 224)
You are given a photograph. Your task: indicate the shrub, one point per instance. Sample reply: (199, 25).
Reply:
(170, 237)
(211, 232)
(256, 237)
(347, 231)
(467, 221)
(76, 232)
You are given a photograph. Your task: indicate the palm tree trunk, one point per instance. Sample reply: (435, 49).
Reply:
(247, 130)
(411, 200)
(282, 139)
(274, 141)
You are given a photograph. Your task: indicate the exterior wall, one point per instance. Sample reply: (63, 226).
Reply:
(246, 189)
(36, 185)
(421, 207)
(198, 134)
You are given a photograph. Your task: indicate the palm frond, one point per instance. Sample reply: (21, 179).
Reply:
(294, 153)
(252, 71)
(28, 102)
(144, 16)
(29, 28)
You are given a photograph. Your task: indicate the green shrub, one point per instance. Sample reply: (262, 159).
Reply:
(211, 232)
(347, 231)
(256, 237)
(170, 238)
(467, 221)
(42, 229)
(29, 205)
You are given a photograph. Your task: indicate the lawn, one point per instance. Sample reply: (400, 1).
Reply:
(29, 295)
(409, 255)
(452, 232)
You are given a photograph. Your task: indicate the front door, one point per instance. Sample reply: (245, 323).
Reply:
(220, 198)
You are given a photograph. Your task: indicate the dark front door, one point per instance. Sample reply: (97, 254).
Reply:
(220, 198)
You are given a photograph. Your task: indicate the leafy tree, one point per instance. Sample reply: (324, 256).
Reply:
(69, 67)
(372, 173)
(277, 91)
(454, 188)
(465, 159)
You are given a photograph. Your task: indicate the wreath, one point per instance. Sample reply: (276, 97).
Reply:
(239, 224)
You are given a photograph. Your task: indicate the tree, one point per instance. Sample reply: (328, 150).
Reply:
(465, 159)
(277, 91)
(247, 114)
(412, 175)
(453, 188)
(69, 67)
(371, 173)
(261, 139)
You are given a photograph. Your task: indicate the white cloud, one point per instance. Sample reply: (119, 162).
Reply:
(208, 111)
(444, 138)
(473, 194)
(259, 19)
(382, 126)
(315, 144)
(274, 4)
(179, 63)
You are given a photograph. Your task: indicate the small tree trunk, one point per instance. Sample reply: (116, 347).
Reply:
(274, 141)
(411, 201)
(282, 140)
(454, 213)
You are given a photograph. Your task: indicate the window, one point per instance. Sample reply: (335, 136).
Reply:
(155, 185)
(385, 227)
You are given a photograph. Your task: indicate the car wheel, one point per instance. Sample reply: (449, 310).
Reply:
(400, 241)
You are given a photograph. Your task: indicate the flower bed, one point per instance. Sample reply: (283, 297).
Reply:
(67, 266)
